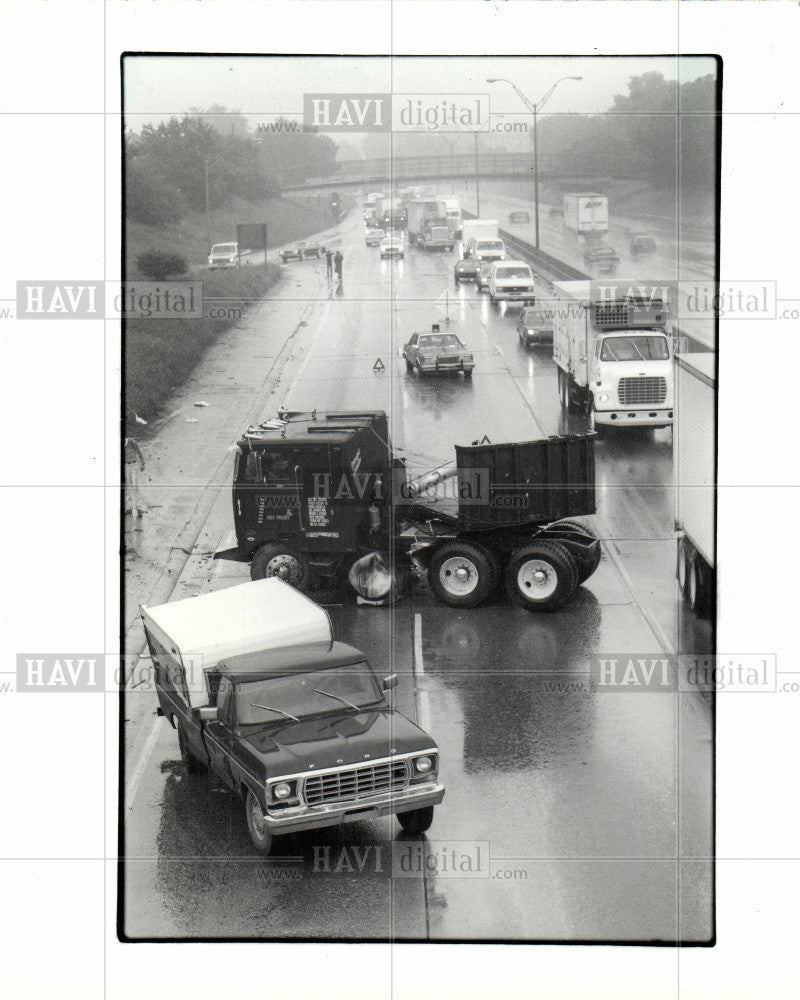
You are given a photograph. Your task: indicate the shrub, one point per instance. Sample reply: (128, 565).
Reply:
(161, 264)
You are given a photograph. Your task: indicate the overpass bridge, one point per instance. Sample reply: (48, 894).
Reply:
(407, 169)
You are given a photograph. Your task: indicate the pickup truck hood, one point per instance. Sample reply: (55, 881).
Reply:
(333, 740)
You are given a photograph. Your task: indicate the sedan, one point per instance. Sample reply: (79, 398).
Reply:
(302, 251)
(374, 237)
(534, 328)
(392, 246)
(437, 353)
(466, 270)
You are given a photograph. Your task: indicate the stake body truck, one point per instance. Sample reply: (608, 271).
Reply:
(314, 494)
(613, 354)
(694, 463)
(294, 723)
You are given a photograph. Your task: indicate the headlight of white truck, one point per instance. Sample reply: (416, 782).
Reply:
(603, 397)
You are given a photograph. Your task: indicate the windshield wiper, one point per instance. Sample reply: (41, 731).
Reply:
(636, 348)
(280, 711)
(338, 698)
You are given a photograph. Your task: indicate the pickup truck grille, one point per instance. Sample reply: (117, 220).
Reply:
(642, 390)
(353, 783)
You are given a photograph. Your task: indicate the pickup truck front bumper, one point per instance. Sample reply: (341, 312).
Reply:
(385, 804)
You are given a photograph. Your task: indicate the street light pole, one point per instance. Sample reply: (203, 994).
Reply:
(477, 181)
(535, 108)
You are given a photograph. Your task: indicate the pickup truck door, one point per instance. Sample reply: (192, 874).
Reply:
(218, 736)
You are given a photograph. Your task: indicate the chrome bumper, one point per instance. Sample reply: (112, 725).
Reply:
(312, 817)
(635, 418)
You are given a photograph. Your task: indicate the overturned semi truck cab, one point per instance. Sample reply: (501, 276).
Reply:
(314, 492)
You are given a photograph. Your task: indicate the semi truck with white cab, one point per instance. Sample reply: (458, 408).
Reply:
(586, 215)
(694, 465)
(613, 354)
(296, 724)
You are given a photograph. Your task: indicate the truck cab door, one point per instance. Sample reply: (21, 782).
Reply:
(218, 735)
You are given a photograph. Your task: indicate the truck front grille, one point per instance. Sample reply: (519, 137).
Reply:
(642, 390)
(356, 782)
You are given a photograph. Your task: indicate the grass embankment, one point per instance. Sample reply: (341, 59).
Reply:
(160, 354)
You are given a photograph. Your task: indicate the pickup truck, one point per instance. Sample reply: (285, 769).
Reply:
(295, 724)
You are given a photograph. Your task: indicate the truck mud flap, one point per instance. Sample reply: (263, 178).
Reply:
(229, 549)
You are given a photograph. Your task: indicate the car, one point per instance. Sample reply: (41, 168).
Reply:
(224, 255)
(374, 237)
(482, 278)
(601, 256)
(485, 248)
(534, 328)
(466, 270)
(438, 353)
(642, 243)
(303, 250)
(519, 218)
(392, 246)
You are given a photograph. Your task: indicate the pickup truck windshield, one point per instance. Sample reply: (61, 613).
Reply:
(299, 695)
(634, 349)
(489, 244)
(514, 272)
(224, 248)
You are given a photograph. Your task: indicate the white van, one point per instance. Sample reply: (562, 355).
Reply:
(511, 281)
(486, 248)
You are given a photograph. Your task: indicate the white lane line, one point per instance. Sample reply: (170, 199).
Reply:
(309, 352)
(141, 763)
(419, 664)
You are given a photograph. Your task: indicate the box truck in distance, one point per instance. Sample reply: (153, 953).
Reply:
(613, 355)
(586, 215)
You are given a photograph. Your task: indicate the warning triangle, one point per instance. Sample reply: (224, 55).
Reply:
(379, 366)
(485, 440)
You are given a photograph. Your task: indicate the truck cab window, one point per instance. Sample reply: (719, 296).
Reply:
(224, 700)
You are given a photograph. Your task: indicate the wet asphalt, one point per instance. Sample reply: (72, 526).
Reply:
(574, 814)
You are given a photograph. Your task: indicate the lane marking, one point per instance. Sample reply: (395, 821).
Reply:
(421, 698)
(419, 665)
(138, 771)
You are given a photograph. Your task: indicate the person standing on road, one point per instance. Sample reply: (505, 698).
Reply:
(134, 464)
(329, 262)
(337, 263)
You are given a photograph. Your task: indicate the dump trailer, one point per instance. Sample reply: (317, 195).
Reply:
(296, 724)
(315, 494)
(694, 464)
(586, 215)
(613, 354)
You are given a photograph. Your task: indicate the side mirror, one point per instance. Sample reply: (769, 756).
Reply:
(208, 713)
(390, 682)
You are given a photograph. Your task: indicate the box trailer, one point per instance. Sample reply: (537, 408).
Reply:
(695, 477)
(613, 354)
(586, 214)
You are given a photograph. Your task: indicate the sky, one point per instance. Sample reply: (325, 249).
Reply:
(261, 87)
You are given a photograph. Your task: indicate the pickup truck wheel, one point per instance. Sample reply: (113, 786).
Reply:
(256, 827)
(193, 765)
(541, 576)
(417, 820)
(461, 574)
(282, 561)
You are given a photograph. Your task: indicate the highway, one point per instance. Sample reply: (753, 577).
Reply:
(592, 811)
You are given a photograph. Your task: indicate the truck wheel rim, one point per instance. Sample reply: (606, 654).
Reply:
(285, 567)
(256, 818)
(458, 576)
(537, 578)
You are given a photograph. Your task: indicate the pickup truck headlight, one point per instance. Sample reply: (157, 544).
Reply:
(283, 790)
(423, 764)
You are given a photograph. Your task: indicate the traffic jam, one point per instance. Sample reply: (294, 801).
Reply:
(434, 552)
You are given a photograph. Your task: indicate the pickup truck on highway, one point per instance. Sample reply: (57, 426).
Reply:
(224, 255)
(295, 724)
(511, 281)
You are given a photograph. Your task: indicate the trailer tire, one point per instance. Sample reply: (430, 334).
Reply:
(193, 764)
(682, 567)
(283, 561)
(588, 565)
(541, 576)
(416, 820)
(256, 827)
(461, 574)
(698, 587)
